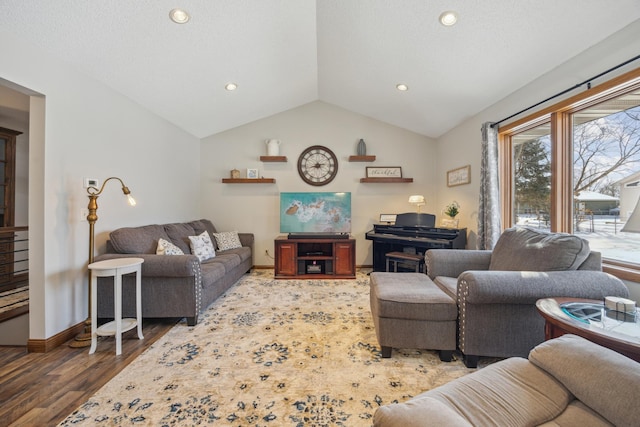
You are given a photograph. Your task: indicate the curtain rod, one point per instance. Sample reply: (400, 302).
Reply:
(587, 82)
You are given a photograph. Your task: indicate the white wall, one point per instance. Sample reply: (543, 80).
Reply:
(254, 207)
(80, 128)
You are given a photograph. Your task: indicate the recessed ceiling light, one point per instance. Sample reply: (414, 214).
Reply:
(231, 86)
(448, 18)
(179, 16)
(401, 86)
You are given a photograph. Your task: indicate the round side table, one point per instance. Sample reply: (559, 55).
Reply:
(115, 268)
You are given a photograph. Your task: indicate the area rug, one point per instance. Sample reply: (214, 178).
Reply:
(269, 353)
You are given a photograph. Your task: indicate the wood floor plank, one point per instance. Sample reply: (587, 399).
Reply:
(43, 388)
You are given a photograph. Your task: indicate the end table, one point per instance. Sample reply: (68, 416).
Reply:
(115, 268)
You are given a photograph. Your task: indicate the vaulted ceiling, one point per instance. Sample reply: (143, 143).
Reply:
(286, 53)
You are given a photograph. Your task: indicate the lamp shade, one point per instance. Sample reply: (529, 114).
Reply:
(416, 200)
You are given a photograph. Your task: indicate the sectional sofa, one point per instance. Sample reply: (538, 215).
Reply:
(567, 381)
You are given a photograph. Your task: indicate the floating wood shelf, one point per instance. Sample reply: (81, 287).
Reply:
(362, 158)
(273, 158)
(248, 180)
(386, 180)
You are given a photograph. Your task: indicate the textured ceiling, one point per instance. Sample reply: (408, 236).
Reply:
(286, 53)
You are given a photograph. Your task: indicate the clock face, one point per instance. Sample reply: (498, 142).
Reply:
(317, 165)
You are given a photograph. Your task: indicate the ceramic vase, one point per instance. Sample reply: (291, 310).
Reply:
(362, 148)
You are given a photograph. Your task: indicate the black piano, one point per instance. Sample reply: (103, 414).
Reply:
(413, 233)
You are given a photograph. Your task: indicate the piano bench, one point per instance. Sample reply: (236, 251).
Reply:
(410, 311)
(407, 258)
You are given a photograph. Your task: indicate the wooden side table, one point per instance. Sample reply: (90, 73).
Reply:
(610, 330)
(115, 268)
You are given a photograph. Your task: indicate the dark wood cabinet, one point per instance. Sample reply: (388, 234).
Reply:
(345, 258)
(320, 258)
(285, 258)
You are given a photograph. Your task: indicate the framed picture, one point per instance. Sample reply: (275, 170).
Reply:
(388, 218)
(384, 172)
(252, 173)
(459, 176)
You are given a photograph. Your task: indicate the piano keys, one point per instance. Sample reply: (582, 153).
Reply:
(413, 233)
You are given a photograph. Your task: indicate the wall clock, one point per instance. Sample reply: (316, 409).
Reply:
(317, 165)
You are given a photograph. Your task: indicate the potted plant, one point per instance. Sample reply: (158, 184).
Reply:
(451, 210)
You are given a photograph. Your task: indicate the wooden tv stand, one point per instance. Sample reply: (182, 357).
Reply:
(315, 258)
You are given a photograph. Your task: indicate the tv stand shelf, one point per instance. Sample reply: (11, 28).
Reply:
(315, 258)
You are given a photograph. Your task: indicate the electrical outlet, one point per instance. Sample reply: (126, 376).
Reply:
(91, 182)
(266, 252)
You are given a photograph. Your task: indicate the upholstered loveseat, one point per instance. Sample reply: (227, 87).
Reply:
(177, 285)
(496, 291)
(567, 381)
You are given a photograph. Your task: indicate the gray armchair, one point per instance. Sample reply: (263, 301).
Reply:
(496, 291)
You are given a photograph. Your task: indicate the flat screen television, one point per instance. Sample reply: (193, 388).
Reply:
(320, 212)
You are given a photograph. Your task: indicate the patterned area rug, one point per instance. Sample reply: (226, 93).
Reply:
(269, 353)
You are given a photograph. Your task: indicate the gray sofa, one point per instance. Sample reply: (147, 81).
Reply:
(496, 291)
(172, 285)
(567, 381)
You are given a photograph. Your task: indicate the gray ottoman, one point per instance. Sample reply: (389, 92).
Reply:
(410, 311)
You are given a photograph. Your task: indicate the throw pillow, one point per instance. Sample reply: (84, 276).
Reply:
(202, 247)
(526, 249)
(167, 248)
(227, 240)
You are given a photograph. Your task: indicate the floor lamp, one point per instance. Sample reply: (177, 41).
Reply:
(84, 339)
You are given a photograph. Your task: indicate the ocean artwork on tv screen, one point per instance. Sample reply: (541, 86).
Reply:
(315, 212)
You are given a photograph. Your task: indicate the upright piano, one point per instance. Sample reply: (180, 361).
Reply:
(413, 233)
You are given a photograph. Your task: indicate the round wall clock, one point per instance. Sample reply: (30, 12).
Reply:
(317, 165)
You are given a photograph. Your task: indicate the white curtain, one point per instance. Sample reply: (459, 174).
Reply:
(489, 228)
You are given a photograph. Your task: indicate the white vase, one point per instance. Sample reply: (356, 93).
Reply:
(273, 147)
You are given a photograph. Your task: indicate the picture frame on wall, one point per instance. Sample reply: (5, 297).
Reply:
(252, 173)
(459, 176)
(384, 172)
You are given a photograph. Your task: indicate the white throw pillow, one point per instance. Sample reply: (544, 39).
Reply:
(227, 240)
(167, 248)
(202, 247)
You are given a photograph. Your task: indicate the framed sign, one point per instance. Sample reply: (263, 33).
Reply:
(384, 172)
(252, 173)
(459, 176)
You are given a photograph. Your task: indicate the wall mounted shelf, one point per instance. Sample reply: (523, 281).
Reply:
(386, 180)
(362, 158)
(248, 180)
(273, 158)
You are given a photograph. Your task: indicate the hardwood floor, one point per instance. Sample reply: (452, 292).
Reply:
(41, 389)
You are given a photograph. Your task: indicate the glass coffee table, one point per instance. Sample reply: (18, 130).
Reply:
(590, 319)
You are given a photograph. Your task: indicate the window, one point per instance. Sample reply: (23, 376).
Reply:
(606, 166)
(532, 177)
(575, 167)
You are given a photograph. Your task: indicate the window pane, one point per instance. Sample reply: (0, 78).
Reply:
(606, 175)
(532, 177)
